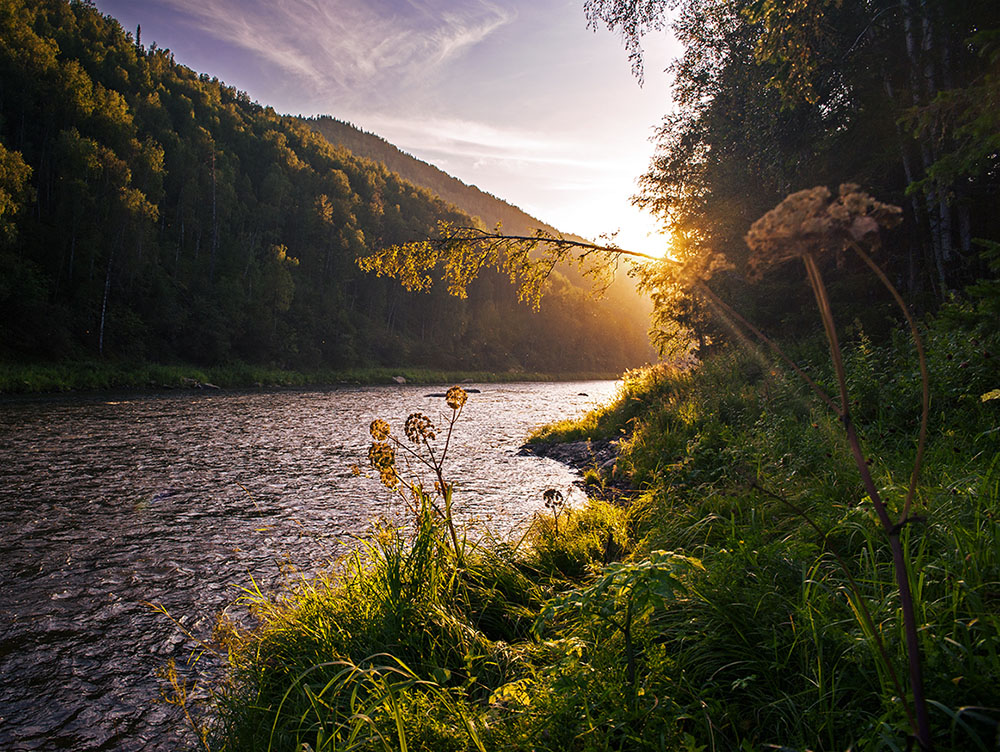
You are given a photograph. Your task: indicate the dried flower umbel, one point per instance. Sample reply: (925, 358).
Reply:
(553, 498)
(456, 398)
(419, 428)
(809, 223)
(555, 502)
(382, 458)
(420, 431)
(379, 429)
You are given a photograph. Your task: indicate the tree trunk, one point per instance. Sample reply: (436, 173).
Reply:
(104, 307)
(215, 226)
(921, 74)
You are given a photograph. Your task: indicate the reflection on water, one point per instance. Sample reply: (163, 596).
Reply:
(108, 504)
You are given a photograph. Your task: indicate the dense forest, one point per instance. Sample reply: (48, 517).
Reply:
(149, 212)
(772, 98)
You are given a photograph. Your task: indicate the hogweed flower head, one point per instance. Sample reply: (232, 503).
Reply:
(553, 499)
(418, 427)
(456, 397)
(382, 457)
(379, 429)
(809, 222)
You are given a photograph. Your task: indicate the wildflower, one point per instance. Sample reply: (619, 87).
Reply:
(456, 397)
(379, 429)
(553, 499)
(382, 457)
(808, 222)
(355, 470)
(419, 428)
(389, 478)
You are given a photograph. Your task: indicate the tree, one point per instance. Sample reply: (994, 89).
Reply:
(15, 191)
(782, 95)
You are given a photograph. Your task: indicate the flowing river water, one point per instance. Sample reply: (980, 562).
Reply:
(111, 503)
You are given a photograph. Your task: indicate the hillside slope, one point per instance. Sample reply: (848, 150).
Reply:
(490, 209)
(150, 212)
(469, 198)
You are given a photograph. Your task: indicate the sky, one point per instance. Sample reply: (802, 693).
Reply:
(517, 97)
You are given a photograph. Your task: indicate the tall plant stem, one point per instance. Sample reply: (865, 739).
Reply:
(917, 717)
(446, 491)
(925, 391)
(900, 567)
(862, 607)
(446, 488)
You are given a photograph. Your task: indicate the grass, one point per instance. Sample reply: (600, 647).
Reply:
(578, 636)
(102, 375)
(615, 418)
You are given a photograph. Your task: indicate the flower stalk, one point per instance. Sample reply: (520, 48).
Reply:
(420, 431)
(805, 226)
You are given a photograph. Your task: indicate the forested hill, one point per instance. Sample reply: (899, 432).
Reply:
(489, 208)
(151, 212)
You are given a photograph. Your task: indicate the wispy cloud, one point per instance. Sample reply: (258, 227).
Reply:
(349, 46)
(485, 144)
(576, 184)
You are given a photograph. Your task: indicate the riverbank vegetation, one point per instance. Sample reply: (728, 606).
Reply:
(104, 375)
(744, 599)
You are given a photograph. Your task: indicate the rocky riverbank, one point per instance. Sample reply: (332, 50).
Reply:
(597, 459)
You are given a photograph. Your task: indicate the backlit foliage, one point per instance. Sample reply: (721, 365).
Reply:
(459, 254)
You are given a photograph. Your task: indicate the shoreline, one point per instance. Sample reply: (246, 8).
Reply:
(83, 377)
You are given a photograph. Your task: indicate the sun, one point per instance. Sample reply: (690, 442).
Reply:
(615, 220)
(651, 241)
(640, 232)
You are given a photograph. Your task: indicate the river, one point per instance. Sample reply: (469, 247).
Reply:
(111, 503)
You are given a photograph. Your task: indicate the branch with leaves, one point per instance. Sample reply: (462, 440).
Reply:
(459, 254)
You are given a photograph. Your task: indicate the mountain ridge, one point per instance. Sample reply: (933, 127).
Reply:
(491, 209)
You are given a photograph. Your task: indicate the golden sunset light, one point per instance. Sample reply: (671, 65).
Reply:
(349, 402)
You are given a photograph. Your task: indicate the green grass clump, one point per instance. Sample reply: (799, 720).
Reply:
(400, 635)
(616, 418)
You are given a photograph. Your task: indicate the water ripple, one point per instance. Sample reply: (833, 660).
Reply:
(107, 504)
